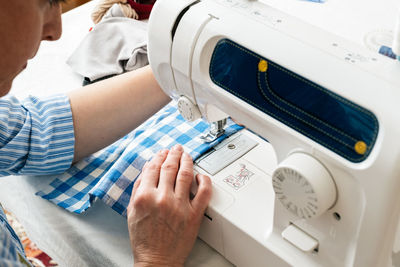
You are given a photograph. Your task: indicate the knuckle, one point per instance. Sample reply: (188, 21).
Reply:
(184, 181)
(142, 200)
(206, 191)
(169, 166)
(153, 166)
(186, 173)
(187, 159)
(163, 201)
(182, 199)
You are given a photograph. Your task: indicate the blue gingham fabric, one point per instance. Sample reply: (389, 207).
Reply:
(110, 173)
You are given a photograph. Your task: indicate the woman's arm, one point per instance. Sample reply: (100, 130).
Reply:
(105, 111)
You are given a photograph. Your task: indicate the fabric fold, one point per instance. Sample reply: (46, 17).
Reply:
(110, 173)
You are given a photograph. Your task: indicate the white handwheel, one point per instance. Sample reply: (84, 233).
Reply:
(304, 186)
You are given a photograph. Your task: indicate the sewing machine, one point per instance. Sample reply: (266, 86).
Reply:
(324, 189)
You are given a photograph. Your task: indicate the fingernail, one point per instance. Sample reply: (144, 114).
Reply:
(177, 147)
(187, 156)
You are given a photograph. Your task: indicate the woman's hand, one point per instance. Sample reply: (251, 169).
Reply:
(163, 221)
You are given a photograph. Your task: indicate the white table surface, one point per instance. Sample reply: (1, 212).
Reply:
(99, 237)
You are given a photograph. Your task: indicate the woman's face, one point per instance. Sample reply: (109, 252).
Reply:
(23, 25)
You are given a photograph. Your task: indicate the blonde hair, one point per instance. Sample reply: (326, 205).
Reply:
(102, 8)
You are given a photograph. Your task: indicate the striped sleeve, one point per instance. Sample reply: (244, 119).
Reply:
(36, 135)
(11, 250)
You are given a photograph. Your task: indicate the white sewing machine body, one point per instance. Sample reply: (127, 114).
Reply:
(199, 49)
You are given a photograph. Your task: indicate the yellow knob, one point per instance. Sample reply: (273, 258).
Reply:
(263, 65)
(360, 147)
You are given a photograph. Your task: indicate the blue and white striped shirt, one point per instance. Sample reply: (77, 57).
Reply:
(36, 137)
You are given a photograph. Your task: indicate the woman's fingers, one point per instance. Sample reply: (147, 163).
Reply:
(151, 173)
(204, 192)
(169, 169)
(173, 171)
(185, 177)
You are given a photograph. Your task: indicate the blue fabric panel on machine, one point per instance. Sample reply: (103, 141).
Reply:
(327, 118)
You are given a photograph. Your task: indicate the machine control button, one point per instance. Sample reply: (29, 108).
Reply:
(299, 238)
(304, 186)
(188, 109)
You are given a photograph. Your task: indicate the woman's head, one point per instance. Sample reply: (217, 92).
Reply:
(23, 25)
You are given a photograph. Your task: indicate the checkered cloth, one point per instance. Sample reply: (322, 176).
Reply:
(110, 173)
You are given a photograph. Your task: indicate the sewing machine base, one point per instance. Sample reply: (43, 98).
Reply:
(245, 224)
(236, 225)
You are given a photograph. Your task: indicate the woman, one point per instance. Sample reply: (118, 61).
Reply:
(44, 136)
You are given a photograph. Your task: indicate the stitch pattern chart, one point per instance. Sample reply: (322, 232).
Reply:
(314, 111)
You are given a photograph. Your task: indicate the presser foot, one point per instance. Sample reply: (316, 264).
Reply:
(216, 130)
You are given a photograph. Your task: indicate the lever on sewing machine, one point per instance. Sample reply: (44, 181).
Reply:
(190, 112)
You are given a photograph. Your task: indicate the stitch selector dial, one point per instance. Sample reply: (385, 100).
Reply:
(304, 186)
(188, 109)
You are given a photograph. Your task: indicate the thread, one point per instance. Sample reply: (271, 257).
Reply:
(387, 51)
